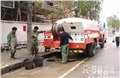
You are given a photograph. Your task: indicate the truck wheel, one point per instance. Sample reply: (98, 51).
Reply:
(85, 53)
(91, 49)
(47, 49)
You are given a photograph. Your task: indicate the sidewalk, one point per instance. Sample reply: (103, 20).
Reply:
(21, 55)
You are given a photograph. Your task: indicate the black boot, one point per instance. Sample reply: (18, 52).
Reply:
(36, 52)
(11, 55)
(14, 56)
(32, 51)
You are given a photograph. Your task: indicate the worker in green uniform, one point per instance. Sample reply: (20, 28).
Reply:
(34, 40)
(64, 43)
(12, 42)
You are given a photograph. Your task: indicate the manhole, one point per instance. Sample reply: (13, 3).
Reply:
(52, 60)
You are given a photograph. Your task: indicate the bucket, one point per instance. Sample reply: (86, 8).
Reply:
(38, 61)
(29, 64)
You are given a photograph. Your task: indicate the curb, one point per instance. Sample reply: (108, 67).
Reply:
(11, 67)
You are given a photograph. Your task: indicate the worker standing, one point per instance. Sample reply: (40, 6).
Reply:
(64, 43)
(34, 40)
(12, 42)
(117, 38)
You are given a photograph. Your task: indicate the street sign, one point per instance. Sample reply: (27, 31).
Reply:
(24, 28)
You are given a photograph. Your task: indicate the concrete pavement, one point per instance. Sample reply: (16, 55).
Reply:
(8, 64)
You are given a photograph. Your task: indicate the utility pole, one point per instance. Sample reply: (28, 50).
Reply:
(29, 24)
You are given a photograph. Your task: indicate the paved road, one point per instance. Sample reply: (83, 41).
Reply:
(105, 64)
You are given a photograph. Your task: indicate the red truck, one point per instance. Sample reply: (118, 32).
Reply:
(85, 33)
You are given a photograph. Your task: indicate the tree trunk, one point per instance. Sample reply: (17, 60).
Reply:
(34, 13)
(18, 12)
(34, 16)
(29, 25)
(76, 13)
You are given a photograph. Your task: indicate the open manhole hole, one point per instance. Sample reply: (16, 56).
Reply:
(52, 60)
